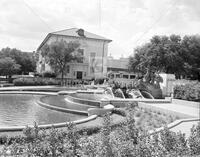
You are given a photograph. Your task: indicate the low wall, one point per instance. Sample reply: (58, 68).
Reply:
(98, 111)
(173, 124)
(61, 109)
(27, 92)
(47, 126)
(83, 101)
(124, 102)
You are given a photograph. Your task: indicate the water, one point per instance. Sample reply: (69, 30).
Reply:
(22, 109)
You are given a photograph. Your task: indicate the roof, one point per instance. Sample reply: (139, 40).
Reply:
(73, 32)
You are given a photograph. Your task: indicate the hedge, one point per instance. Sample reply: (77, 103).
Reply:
(189, 91)
(35, 81)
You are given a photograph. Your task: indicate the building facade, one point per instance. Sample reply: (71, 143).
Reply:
(117, 70)
(94, 49)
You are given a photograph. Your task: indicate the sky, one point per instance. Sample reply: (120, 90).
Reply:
(128, 23)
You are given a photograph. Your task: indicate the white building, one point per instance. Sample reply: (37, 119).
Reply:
(118, 70)
(93, 47)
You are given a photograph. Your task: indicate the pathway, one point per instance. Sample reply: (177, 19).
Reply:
(191, 111)
(184, 127)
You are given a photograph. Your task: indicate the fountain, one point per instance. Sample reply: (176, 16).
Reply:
(119, 93)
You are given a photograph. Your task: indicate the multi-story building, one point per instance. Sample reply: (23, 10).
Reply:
(94, 49)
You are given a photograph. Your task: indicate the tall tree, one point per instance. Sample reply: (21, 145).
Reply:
(59, 53)
(190, 47)
(161, 54)
(8, 67)
(24, 59)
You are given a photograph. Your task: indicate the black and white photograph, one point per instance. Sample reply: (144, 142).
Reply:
(99, 78)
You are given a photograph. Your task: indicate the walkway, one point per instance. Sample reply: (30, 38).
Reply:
(184, 127)
(191, 111)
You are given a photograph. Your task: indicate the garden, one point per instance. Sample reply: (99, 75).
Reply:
(128, 137)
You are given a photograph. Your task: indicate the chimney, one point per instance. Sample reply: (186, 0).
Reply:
(81, 32)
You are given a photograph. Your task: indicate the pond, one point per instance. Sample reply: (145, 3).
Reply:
(22, 109)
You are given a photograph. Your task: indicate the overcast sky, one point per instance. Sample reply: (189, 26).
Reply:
(129, 23)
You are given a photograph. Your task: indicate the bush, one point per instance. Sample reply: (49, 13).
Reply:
(189, 91)
(49, 74)
(125, 140)
(194, 140)
(37, 81)
(119, 111)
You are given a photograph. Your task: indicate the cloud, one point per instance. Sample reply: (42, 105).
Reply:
(129, 23)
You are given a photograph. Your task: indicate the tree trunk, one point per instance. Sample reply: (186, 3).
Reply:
(62, 76)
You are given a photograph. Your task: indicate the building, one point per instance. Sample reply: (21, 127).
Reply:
(117, 64)
(118, 70)
(94, 49)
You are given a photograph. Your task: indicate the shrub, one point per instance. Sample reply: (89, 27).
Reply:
(35, 81)
(189, 91)
(125, 140)
(194, 140)
(49, 74)
(119, 111)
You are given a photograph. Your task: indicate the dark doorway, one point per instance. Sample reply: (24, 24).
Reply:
(79, 75)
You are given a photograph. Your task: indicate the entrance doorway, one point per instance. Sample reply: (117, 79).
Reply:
(79, 75)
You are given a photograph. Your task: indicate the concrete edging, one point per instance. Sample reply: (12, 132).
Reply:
(61, 109)
(87, 102)
(27, 92)
(173, 124)
(47, 126)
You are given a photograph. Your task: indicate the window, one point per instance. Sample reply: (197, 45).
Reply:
(92, 55)
(43, 67)
(80, 55)
(68, 69)
(117, 75)
(92, 62)
(132, 76)
(125, 76)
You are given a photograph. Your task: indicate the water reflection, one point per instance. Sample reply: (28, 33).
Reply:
(21, 109)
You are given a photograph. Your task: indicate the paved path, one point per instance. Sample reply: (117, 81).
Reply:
(184, 127)
(191, 111)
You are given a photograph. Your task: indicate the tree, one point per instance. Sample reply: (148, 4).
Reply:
(190, 47)
(24, 59)
(59, 53)
(161, 54)
(8, 67)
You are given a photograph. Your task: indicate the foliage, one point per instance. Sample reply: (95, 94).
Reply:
(119, 111)
(170, 55)
(8, 66)
(37, 81)
(59, 53)
(189, 91)
(194, 140)
(124, 140)
(49, 74)
(24, 59)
